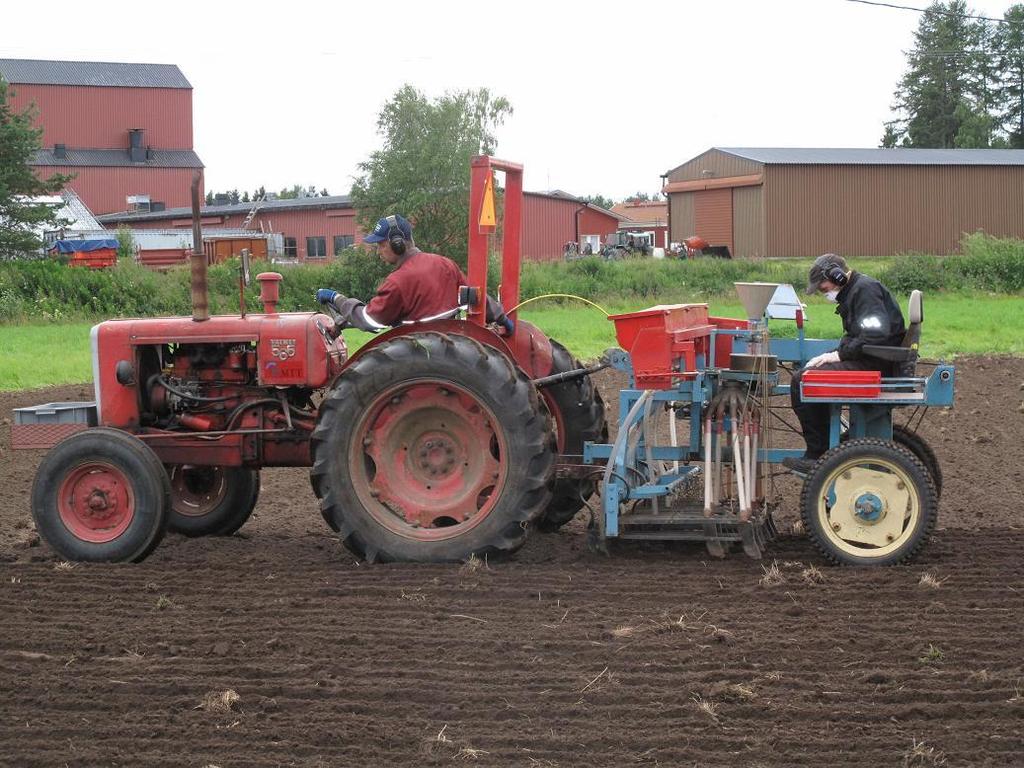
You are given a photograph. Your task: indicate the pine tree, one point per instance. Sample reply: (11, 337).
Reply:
(19, 217)
(944, 97)
(1008, 42)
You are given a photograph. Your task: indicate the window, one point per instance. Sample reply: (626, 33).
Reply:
(291, 249)
(316, 247)
(341, 242)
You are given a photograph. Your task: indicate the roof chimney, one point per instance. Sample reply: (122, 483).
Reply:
(136, 151)
(60, 151)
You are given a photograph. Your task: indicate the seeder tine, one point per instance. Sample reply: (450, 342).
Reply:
(711, 540)
(749, 538)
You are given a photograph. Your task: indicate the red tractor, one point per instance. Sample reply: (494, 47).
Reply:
(437, 441)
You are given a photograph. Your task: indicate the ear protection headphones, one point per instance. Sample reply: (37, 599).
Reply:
(395, 237)
(837, 276)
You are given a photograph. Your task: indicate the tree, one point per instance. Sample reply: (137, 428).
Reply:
(639, 197)
(209, 197)
(422, 169)
(1008, 42)
(19, 217)
(245, 197)
(947, 86)
(599, 200)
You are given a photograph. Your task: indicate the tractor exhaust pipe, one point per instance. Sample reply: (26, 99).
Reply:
(200, 291)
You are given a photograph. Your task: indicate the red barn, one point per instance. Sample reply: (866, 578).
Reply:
(124, 130)
(313, 227)
(552, 219)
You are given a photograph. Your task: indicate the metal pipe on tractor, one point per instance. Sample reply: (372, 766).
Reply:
(200, 289)
(445, 439)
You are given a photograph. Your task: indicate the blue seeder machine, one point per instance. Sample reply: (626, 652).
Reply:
(708, 474)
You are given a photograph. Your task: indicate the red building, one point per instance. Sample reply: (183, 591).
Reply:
(552, 219)
(313, 227)
(124, 130)
(319, 227)
(645, 216)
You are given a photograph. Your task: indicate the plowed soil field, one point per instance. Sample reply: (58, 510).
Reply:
(276, 648)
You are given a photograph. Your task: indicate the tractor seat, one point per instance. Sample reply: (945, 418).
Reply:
(903, 357)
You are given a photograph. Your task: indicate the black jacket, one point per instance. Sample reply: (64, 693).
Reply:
(870, 316)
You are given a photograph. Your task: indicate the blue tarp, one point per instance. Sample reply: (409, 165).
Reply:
(84, 246)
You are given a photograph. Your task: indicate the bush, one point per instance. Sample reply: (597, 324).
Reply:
(985, 263)
(47, 289)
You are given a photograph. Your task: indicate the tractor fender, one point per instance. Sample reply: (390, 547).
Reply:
(529, 347)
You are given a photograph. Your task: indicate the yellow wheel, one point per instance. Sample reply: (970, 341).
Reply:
(869, 502)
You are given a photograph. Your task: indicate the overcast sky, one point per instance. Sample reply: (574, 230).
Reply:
(607, 96)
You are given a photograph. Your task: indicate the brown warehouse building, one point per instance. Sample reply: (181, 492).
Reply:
(858, 202)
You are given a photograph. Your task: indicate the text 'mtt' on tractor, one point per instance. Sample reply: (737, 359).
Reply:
(444, 439)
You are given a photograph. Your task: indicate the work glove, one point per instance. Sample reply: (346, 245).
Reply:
(325, 296)
(827, 357)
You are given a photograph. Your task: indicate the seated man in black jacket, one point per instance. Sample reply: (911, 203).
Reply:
(870, 316)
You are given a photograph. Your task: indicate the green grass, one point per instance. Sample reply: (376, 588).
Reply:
(41, 355)
(44, 355)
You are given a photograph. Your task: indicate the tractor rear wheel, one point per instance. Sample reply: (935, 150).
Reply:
(578, 411)
(101, 495)
(869, 502)
(211, 501)
(432, 448)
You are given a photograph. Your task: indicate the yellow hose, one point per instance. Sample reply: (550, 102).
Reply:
(559, 296)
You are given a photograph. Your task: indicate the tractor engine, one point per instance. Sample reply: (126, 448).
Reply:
(209, 388)
(252, 374)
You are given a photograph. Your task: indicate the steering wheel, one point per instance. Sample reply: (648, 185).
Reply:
(338, 325)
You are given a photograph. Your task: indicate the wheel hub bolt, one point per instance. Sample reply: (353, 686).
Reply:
(836, 526)
(97, 501)
(890, 538)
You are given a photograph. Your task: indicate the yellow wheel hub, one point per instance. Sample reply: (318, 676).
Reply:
(868, 507)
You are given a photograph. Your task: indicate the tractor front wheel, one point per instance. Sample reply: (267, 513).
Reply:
(211, 501)
(869, 502)
(101, 495)
(431, 448)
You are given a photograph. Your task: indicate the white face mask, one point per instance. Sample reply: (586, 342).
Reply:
(832, 296)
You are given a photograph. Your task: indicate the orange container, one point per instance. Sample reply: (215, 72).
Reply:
(835, 385)
(724, 341)
(663, 342)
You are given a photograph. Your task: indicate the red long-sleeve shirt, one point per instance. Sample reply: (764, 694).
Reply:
(422, 285)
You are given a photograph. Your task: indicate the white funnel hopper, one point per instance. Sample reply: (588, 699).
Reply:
(755, 297)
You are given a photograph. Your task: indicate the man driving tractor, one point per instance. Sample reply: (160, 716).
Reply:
(423, 286)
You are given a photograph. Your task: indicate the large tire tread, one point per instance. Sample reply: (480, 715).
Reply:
(583, 416)
(461, 360)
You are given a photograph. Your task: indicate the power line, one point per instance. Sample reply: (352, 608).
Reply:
(934, 10)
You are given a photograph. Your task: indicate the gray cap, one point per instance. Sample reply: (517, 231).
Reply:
(820, 268)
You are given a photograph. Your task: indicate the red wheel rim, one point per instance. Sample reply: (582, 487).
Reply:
(96, 502)
(432, 465)
(196, 491)
(559, 419)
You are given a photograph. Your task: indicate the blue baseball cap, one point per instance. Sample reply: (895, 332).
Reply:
(380, 232)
